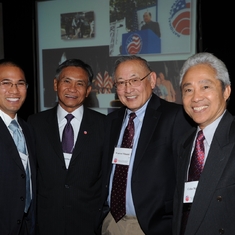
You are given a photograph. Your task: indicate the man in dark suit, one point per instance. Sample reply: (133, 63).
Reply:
(69, 180)
(149, 24)
(158, 124)
(204, 199)
(17, 167)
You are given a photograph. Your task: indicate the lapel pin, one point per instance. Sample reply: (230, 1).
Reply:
(85, 132)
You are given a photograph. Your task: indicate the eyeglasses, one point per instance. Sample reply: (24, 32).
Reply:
(134, 82)
(21, 85)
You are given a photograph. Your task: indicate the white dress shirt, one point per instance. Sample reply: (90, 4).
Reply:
(75, 122)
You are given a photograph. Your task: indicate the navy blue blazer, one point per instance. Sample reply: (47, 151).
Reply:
(153, 178)
(13, 183)
(213, 208)
(68, 199)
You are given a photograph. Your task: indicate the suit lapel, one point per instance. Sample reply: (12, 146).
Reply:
(183, 163)
(52, 131)
(115, 130)
(217, 158)
(7, 139)
(150, 122)
(83, 135)
(86, 128)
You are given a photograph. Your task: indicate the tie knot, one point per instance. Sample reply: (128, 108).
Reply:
(200, 136)
(13, 125)
(132, 116)
(69, 117)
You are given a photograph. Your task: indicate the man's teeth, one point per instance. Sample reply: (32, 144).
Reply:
(199, 108)
(12, 99)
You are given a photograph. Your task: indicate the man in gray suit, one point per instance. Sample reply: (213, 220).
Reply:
(204, 199)
(69, 180)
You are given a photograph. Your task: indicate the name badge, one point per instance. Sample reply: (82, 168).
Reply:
(122, 156)
(189, 191)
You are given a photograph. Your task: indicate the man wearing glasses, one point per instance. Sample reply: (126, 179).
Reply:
(140, 154)
(17, 156)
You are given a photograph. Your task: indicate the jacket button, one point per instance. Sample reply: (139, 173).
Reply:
(221, 231)
(219, 198)
(66, 186)
(22, 176)
(22, 198)
(18, 221)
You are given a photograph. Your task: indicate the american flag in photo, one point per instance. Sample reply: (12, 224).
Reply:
(180, 15)
(134, 44)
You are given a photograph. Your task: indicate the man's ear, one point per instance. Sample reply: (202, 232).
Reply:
(55, 84)
(153, 79)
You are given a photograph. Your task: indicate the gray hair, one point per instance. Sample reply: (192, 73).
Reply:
(122, 59)
(211, 60)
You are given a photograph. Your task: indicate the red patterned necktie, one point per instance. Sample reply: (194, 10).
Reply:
(197, 160)
(118, 194)
(195, 170)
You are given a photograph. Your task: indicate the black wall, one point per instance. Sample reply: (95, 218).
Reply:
(19, 45)
(214, 35)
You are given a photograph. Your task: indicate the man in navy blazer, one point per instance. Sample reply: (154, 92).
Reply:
(69, 183)
(15, 217)
(151, 173)
(205, 204)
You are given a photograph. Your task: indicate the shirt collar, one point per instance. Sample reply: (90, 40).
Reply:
(6, 118)
(77, 113)
(140, 112)
(209, 130)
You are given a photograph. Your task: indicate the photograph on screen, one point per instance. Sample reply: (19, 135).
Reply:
(148, 27)
(77, 25)
(108, 23)
(103, 94)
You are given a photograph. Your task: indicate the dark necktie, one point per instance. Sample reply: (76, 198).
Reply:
(197, 161)
(195, 170)
(20, 144)
(68, 135)
(118, 194)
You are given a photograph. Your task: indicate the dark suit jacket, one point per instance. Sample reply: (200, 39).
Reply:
(153, 178)
(154, 26)
(68, 200)
(12, 181)
(213, 208)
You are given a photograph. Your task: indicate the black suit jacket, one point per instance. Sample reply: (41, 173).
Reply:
(154, 26)
(13, 183)
(68, 199)
(153, 178)
(213, 208)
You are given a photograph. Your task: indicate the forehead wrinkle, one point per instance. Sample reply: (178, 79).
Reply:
(204, 81)
(11, 80)
(132, 76)
(73, 79)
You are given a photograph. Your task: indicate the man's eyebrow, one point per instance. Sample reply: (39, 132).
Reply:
(186, 84)
(132, 76)
(204, 81)
(10, 80)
